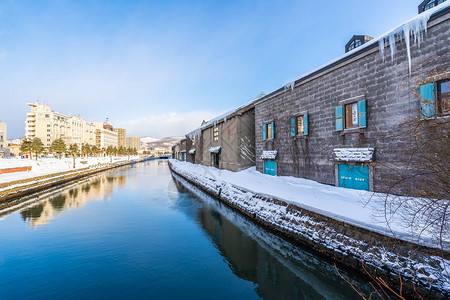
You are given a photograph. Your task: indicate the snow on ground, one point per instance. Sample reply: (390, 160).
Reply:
(347, 205)
(45, 166)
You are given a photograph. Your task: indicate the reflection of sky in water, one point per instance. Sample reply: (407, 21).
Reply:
(137, 233)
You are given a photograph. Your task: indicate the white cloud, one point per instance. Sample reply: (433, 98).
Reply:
(166, 124)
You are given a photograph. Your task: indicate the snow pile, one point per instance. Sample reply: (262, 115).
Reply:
(353, 154)
(269, 154)
(45, 166)
(413, 264)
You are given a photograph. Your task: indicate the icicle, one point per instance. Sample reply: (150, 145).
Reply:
(406, 34)
(381, 48)
(413, 32)
(392, 46)
(290, 85)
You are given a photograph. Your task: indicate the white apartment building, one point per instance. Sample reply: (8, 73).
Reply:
(48, 125)
(121, 136)
(105, 135)
(3, 135)
(134, 142)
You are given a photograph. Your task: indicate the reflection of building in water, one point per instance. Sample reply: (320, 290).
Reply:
(97, 188)
(279, 269)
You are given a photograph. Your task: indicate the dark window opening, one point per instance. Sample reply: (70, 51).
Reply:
(443, 97)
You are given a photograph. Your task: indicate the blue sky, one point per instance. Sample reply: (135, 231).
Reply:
(159, 68)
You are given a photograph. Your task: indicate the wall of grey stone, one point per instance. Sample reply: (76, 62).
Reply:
(246, 140)
(388, 88)
(236, 139)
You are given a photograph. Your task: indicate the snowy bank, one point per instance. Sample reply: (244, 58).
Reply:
(331, 220)
(46, 166)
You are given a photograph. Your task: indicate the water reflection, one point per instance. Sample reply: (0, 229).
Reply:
(96, 188)
(279, 269)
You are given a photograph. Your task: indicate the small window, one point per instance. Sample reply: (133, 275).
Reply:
(351, 115)
(299, 125)
(429, 5)
(47, 116)
(269, 131)
(434, 99)
(216, 134)
(443, 91)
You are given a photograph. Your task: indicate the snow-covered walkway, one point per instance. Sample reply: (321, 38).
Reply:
(360, 208)
(46, 166)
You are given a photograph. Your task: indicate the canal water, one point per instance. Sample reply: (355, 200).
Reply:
(138, 233)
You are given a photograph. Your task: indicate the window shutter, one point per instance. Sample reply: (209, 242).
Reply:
(292, 126)
(273, 130)
(264, 132)
(427, 101)
(362, 115)
(305, 124)
(338, 111)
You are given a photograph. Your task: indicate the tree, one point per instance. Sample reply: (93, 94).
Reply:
(26, 147)
(86, 150)
(115, 151)
(121, 150)
(74, 150)
(419, 183)
(110, 151)
(37, 146)
(95, 150)
(59, 147)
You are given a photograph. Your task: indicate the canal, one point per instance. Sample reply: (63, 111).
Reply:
(138, 233)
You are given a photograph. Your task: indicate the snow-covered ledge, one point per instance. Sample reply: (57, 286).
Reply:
(269, 154)
(353, 154)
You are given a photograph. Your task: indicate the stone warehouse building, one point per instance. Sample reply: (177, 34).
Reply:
(179, 150)
(338, 124)
(342, 124)
(226, 142)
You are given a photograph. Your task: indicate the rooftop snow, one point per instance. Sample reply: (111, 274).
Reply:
(222, 117)
(192, 151)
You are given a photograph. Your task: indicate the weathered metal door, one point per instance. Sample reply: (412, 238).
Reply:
(270, 167)
(354, 177)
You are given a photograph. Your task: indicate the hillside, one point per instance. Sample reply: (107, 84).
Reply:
(165, 142)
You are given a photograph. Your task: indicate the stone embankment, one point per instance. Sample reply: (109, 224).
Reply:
(422, 268)
(19, 188)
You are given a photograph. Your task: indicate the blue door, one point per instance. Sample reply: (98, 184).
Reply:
(184, 156)
(354, 177)
(270, 167)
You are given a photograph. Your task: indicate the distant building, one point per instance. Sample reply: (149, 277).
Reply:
(3, 135)
(133, 142)
(105, 135)
(179, 150)
(49, 125)
(121, 136)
